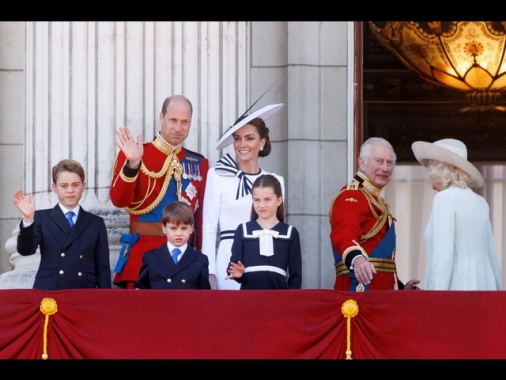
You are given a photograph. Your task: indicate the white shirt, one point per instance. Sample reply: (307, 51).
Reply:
(182, 248)
(75, 210)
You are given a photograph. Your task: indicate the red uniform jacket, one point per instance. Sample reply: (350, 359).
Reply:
(145, 192)
(352, 219)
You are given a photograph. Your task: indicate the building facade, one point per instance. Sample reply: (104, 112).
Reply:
(67, 86)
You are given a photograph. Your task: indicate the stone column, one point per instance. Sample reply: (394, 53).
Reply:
(85, 79)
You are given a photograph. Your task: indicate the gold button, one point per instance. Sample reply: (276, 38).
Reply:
(169, 280)
(61, 272)
(183, 281)
(80, 274)
(62, 254)
(81, 257)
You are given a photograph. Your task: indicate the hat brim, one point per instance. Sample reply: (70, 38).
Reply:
(264, 113)
(425, 151)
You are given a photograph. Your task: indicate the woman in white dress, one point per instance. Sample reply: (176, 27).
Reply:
(227, 199)
(458, 236)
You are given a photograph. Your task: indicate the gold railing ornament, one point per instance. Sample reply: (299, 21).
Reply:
(349, 310)
(48, 307)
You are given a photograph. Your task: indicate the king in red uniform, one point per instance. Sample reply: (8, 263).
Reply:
(148, 176)
(362, 228)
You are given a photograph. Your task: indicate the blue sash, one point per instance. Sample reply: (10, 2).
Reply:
(126, 240)
(383, 250)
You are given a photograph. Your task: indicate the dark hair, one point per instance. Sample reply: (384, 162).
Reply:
(67, 166)
(178, 212)
(263, 131)
(177, 98)
(269, 180)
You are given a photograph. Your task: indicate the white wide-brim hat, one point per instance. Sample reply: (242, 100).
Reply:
(264, 113)
(450, 151)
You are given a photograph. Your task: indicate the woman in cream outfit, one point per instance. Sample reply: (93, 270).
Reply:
(227, 199)
(458, 236)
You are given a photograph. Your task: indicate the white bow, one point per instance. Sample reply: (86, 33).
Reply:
(266, 242)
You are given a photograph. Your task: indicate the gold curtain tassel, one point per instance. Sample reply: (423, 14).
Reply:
(349, 310)
(48, 307)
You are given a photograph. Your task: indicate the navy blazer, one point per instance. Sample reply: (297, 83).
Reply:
(158, 270)
(70, 258)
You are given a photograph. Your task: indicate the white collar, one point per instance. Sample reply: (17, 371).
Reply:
(182, 248)
(75, 210)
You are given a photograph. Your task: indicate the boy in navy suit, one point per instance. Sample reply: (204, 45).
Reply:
(176, 264)
(74, 248)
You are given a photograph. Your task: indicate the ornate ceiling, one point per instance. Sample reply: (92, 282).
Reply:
(402, 107)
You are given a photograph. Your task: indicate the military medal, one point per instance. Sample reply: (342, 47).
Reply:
(185, 175)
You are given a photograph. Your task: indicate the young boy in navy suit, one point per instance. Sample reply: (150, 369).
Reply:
(176, 264)
(74, 248)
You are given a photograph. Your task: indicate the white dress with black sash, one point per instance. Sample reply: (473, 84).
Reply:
(227, 203)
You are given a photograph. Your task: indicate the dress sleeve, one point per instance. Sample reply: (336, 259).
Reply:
(238, 248)
(211, 213)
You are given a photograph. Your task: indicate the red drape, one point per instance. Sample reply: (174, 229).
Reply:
(272, 324)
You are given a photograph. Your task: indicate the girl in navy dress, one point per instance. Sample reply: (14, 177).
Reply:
(266, 252)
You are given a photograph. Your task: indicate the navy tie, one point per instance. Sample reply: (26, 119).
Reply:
(175, 253)
(70, 214)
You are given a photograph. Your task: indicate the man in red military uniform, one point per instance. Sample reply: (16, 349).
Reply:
(362, 228)
(148, 176)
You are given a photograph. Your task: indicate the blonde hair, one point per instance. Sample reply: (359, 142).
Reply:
(447, 175)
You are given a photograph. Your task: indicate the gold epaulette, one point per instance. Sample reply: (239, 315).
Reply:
(353, 185)
(380, 203)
